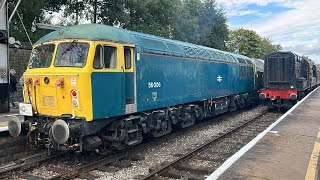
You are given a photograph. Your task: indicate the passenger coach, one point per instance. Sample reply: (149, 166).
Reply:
(94, 86)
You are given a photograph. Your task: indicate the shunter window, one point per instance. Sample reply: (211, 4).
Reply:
(127, 58)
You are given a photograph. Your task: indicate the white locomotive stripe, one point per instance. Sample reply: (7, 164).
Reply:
(248, 146)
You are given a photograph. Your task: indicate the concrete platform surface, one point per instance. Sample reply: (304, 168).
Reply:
(289, 151)
(4, 117)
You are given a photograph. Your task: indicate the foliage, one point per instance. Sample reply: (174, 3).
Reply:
(196, 21)
(268, 47)
(201, 22)
(309, 60)
(29, 11)
(249, 43)
(151, 16)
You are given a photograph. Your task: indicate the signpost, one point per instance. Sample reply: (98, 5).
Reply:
(4, 51)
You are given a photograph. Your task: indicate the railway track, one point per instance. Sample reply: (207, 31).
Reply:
(81, 169)
(184, 166)
(25, 164)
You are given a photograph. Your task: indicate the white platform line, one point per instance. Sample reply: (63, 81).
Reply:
(5, 128)
(8, 115)
(248, 146)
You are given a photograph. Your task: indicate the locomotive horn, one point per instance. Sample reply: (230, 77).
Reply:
(60, 131)
(14, 126)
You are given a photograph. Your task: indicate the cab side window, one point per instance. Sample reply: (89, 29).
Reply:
(110, 57)
(105, 57)
(98, 56)
(127, 58)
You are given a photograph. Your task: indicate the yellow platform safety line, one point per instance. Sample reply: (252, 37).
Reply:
(312, 167)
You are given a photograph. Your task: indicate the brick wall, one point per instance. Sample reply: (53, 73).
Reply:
(18, 60)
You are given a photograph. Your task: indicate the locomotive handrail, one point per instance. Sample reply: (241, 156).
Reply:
(53, 74)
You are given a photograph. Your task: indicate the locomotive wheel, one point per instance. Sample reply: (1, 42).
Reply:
(165, 129)
(14, 126)
(188, 121)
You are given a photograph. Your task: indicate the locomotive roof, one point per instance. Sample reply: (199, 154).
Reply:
(147, 43)
(297, 57)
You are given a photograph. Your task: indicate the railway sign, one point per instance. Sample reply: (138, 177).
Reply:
(219, 78)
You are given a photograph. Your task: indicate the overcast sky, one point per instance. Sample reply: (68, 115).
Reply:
(295, 24)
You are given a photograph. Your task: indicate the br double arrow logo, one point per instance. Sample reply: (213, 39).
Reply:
(219, 78)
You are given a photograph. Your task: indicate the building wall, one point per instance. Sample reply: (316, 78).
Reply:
(18, 60)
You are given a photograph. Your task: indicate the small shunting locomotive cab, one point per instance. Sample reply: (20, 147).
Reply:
(96, 87)
(287, 79)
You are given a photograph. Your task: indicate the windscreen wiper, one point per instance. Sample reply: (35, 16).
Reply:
(70, 46)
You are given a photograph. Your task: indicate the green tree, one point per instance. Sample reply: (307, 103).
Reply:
(249, 43)
(151, 16)
(29, 11)
(186, 21)
(201, 22)
(213, 24)
(267, 47)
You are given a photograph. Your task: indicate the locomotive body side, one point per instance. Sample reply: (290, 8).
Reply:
(102, 87)
(164, 81)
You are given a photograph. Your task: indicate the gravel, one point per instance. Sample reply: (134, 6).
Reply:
(166, 151)
(43, 172)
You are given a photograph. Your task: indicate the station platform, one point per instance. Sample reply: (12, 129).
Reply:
(288, 149)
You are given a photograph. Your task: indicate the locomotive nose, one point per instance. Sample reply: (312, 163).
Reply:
(14, 126)
(60, 131)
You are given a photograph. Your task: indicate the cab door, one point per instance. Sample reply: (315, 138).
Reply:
(107, 80)
(129, 80)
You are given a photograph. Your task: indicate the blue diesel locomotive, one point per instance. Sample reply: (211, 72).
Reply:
(104, 87)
